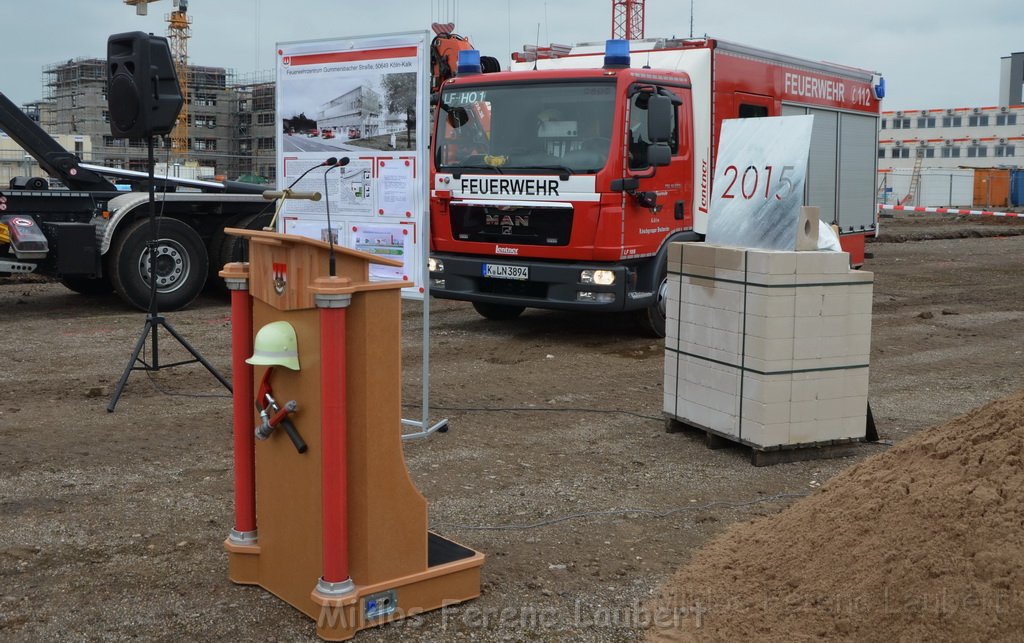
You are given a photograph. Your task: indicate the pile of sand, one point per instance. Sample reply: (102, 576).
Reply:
(922, 542)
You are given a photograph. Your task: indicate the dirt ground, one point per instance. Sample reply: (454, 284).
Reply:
(932, 527)
(557, 465)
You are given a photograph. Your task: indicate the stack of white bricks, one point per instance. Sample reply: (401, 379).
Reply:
(767, 348)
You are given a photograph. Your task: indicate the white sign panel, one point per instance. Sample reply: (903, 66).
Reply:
(759, 182)
(364, 99)
(388, 240)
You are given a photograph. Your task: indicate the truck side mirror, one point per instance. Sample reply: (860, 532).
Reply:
(457, 117)
(659, 154)
(659, 118)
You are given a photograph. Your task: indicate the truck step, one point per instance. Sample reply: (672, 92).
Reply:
(14, 267)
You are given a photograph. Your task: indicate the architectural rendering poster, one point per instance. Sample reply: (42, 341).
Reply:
(364, 99)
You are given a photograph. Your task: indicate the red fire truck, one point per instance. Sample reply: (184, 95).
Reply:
(561, 182)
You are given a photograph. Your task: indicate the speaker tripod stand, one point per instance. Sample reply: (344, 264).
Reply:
(154, 320)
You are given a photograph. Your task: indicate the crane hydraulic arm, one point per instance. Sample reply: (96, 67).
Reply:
(51, 156)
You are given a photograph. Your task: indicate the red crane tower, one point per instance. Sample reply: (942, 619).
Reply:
(628, 19)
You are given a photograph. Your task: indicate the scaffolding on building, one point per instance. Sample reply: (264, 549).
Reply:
(231, 120)
(76, 94)
(255, 124)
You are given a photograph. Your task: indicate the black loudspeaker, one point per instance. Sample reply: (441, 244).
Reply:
(143, 95)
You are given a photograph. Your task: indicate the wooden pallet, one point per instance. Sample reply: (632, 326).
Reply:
(767, 456)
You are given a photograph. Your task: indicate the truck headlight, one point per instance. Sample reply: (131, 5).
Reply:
(435, 265)
(599, 277)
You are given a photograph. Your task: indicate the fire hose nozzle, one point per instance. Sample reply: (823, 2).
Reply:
(265, 428)
(268, 423)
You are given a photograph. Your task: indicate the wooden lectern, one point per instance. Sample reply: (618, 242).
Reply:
(338, 531)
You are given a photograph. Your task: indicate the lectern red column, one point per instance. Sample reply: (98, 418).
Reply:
(244, 531)
(334, 434)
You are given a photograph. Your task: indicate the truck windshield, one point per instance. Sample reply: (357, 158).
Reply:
(543, 127)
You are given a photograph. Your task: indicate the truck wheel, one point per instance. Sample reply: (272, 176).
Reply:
(236, 248)
(224, 248)
(181, 264)
(498, 312)
(88, 285)
(652, 319)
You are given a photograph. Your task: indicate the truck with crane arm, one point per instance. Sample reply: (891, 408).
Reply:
(561, 182)
(94, 237)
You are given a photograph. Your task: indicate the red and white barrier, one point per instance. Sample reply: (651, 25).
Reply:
(882, 207)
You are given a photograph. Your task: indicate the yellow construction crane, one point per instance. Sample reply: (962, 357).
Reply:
(179, 30)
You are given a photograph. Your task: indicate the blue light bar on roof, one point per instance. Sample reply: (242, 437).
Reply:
(616, 53)
(469, 62)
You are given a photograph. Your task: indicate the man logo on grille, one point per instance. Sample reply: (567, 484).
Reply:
(507, 221)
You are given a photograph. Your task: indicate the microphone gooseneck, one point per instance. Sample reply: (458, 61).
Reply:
(329, 163)
(331, 266)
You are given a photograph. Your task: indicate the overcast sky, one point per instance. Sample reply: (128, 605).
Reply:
(940, 53)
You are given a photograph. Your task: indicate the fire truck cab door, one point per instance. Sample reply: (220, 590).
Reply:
(646, 226)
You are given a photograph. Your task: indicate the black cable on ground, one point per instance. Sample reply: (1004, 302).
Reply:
(163, 391)
(526, 409)
(618, 512)
(532, 409)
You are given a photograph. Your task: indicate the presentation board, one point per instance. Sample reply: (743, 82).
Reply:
(364, 99)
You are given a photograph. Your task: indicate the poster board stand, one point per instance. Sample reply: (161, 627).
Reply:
(365, 98)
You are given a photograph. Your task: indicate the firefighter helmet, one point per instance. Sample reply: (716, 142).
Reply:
(276, 345)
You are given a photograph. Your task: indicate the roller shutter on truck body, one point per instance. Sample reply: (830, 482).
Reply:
(843, 156)
(841, 167)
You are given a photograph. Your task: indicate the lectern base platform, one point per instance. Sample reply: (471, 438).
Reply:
(452, 576)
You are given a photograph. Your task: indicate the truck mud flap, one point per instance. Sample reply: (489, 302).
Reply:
(76, 248)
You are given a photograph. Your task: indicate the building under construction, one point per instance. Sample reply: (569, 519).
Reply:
(230, 124)
(255, 132)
